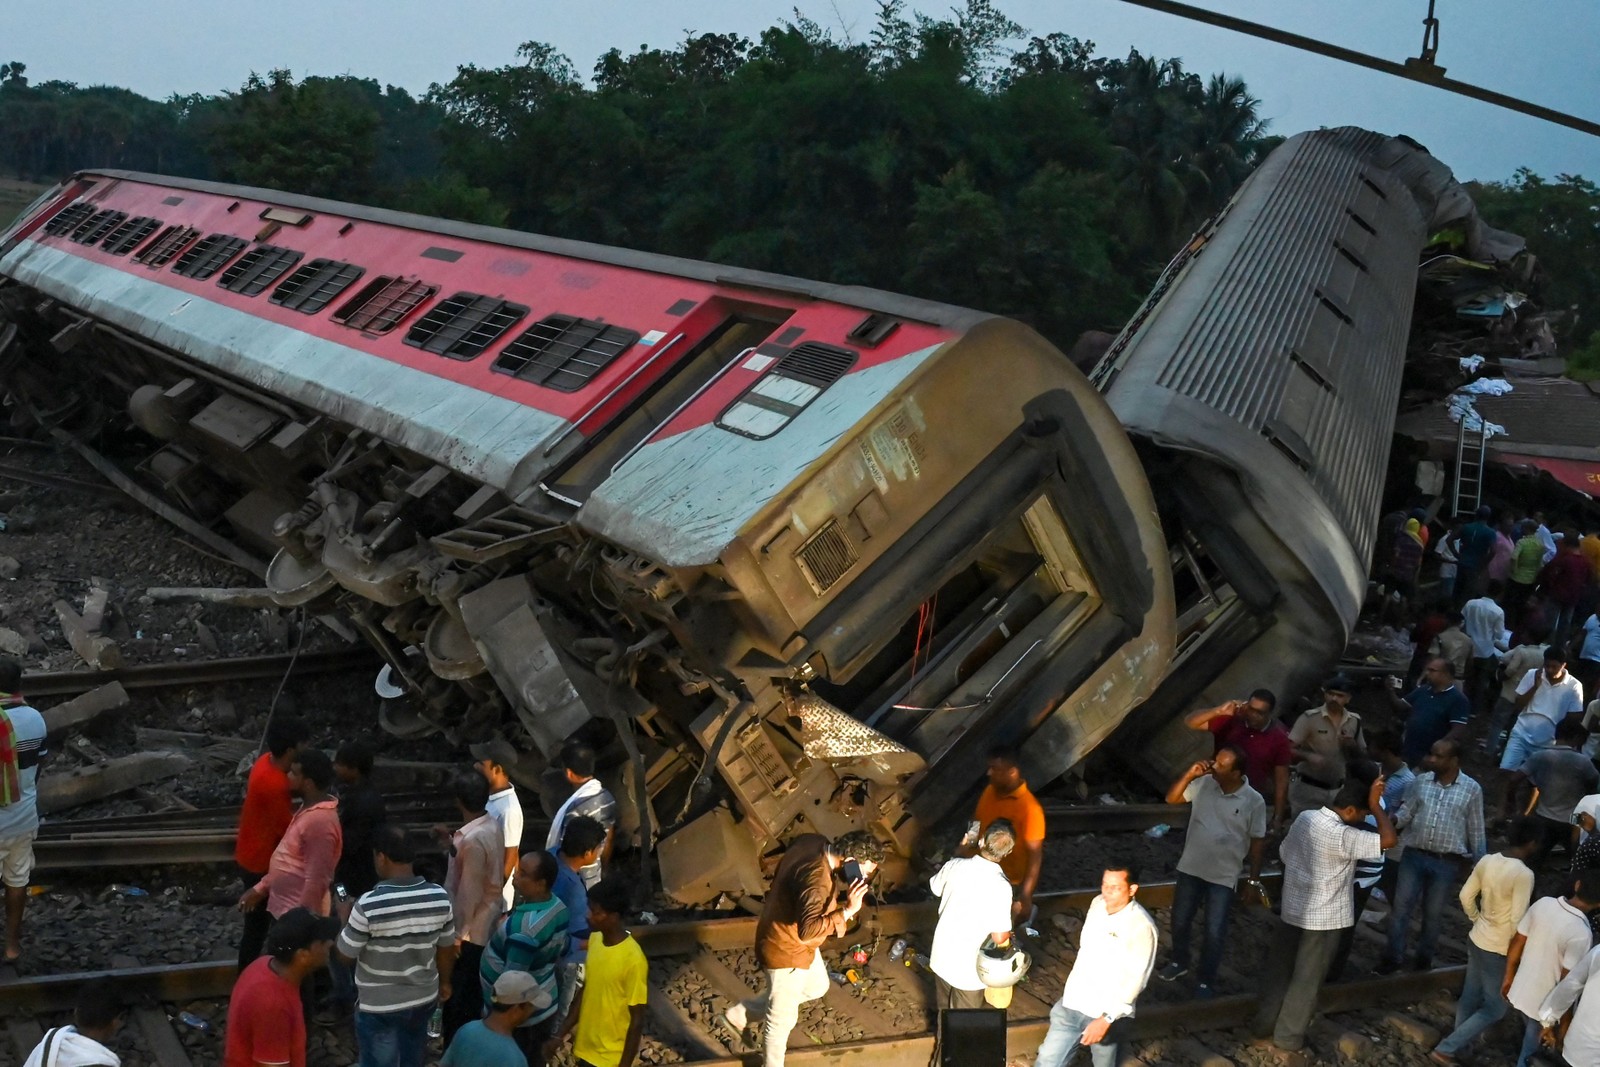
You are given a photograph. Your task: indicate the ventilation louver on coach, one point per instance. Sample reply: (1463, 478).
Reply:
(564, 352)
(827, 556)
(786, 389)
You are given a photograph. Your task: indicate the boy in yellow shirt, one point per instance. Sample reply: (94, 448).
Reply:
(609, 1014)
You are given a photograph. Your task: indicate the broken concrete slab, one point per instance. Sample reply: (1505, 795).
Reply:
(58, 792)
(100, 653)
(13, 643)
(82, 709)
(94, 609)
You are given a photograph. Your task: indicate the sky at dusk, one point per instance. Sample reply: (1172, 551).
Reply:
(1541, 51)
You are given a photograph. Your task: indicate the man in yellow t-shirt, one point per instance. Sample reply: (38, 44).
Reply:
(609, 1014)
(1007, 797)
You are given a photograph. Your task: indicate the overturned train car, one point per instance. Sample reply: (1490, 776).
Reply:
(793, 553)
(1261, 380)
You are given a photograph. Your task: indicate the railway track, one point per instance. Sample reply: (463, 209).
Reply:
(707, 955)
(207, 836)
(190, 837)
(201, 672)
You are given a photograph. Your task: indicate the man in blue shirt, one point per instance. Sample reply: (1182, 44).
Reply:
(487, 1042)
(1433, 711)
(1473, 545)
(581, 843)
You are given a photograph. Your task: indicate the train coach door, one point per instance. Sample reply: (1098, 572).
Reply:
(717, 350)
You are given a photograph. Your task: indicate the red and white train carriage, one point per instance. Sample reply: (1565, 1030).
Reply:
(825, 542)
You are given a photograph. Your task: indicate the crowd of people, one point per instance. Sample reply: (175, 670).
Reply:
(519, 949)
(523, 945)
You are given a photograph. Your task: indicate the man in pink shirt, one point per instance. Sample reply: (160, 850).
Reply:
(474, 881)
(301, 870)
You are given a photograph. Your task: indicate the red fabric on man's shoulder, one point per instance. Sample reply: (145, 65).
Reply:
(264, 817)
(266, 1023)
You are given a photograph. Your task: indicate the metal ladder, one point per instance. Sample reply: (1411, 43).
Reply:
(1472, 446)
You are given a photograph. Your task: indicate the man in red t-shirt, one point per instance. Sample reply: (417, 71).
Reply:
(266, 1023)
(1249, 726)
(268, 807)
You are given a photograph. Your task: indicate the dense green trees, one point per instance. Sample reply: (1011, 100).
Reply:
(1038, 181)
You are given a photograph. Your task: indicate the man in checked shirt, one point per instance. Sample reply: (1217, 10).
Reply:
(1319, 861)
(1441, 827)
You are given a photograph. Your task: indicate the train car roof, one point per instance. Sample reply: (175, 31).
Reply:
(907, 307)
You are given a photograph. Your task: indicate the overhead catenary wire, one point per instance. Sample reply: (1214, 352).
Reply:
(1424, 72)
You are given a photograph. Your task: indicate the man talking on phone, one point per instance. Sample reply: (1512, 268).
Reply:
(802, 910)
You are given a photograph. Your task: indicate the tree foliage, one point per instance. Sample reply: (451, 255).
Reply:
(952, 157)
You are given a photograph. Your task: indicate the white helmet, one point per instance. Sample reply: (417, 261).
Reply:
(1002, 966)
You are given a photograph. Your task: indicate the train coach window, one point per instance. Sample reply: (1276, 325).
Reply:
(69, 218)
(309, 289)
(564, 352)
(258, 268)
(125, 238)
(94, 229)
(463, 325)
(204, 258)
(786, 389)
(381, 304)
(173, 239)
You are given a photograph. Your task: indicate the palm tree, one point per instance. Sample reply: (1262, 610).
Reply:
(1227, 136)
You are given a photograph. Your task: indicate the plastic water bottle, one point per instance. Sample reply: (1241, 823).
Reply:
(436, 1022)
(897, 949)
(193, 1021)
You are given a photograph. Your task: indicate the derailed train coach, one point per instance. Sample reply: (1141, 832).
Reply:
(792, 554)
(1261, 380)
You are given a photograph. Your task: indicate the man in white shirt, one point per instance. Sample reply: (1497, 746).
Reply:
(1484, 621)
(19, 811)
(1227, 825)
(974, 904)
(1116, 951)
(1550, 940)
(589, 797)
(494, 759)
(96, 1019)
(1495, 898)
(1319, 863)
(1544, 697)
(1580, 1044)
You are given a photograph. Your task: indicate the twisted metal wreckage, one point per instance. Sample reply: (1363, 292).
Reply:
(793, 553)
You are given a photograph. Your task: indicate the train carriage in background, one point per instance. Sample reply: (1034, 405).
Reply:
(692, 510)
(1262, 379)
(794, 553)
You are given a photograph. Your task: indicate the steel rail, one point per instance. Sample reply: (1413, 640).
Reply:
(199, 981)
(1419, 71)
(200, 672)
(13, 473)
(1154, 1020)
(1061, 819)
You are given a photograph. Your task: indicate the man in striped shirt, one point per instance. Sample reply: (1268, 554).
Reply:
(402, 939)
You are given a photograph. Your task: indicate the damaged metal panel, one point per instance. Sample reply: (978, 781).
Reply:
(505, 628)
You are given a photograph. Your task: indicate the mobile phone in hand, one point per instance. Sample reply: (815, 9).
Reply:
(850, 871)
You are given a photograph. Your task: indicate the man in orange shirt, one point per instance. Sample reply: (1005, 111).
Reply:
(268, 807)
(1007, 797)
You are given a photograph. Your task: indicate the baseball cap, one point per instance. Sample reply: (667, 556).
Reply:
(299, 928)
(520, 987)
(497, 749)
